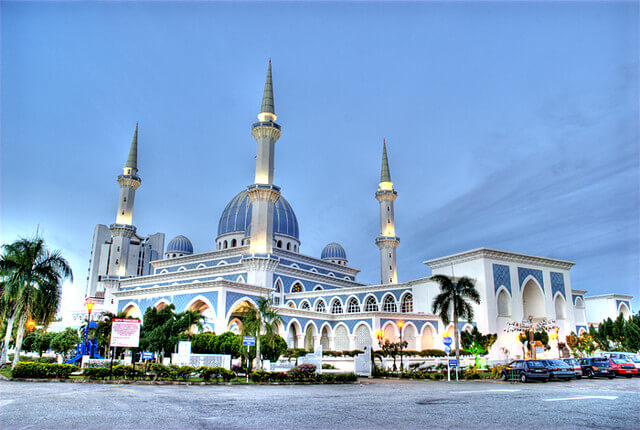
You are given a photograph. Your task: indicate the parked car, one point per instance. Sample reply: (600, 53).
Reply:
(634, 358)
(525, 370)
(596, 366)
(573, 363)
(558, 369)
(623, 367)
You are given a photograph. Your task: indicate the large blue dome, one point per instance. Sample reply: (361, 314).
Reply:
(236, 217)
(333, 251)
(180, 244)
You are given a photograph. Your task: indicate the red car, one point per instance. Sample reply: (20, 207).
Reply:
(623, 367)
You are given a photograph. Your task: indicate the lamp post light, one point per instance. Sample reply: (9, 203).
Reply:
(89, 304)
(31, 324)
(400, 325)
(532, 354)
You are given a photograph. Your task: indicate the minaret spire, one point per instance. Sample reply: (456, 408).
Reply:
(263, 194)
(132, 160)
(267, 96)
(387, 242)
(385, 174)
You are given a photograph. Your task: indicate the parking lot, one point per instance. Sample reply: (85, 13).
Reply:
(590, 403)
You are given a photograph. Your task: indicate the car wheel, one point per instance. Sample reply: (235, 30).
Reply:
(567, 379)
(504, 376)
(590, 374)
(523, 378)
(611, 376)
(578, 376)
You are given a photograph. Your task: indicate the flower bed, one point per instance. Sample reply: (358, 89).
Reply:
(303, 373)
(28, 369)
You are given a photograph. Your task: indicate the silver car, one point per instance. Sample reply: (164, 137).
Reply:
(573, 363)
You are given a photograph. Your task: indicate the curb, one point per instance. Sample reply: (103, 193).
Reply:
(128, 382)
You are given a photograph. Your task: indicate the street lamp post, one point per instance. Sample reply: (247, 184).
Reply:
(532, 354)
(400, 325)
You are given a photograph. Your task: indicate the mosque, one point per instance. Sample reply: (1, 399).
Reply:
(257, 254)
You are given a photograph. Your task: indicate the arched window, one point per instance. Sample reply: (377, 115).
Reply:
(407, 303)
(371, 304)
(389, 304)
(233, 243)
(276, 294)
(318, 288)
(279, 244)
(504, 304)
(305, 305)
(297, 288)
(291, 305)
(320, 307)
(224, 244)
(353, 306)
(336, 307)
(288, 246)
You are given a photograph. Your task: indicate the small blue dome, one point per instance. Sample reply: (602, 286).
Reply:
(333, 251)
(181, 245)
(236, 217)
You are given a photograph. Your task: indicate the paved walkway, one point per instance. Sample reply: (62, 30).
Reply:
(378, 404)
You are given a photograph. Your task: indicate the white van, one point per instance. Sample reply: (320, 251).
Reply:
(634, 358)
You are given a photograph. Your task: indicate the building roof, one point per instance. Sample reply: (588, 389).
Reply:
(236, 217)
(497, 254)
(333, 251)
(181, 245)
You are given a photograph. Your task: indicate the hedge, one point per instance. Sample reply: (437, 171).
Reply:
(262, 376)
(28, 369)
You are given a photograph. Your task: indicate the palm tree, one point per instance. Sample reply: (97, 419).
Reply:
(263, 319)
(454, 297)
(32, 277)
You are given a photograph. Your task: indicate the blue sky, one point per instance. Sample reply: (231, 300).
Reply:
(509, 125)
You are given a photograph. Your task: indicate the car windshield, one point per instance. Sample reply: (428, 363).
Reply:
(620, 360)
(634, 358)
(560, 363)
(600, 360)
(571, 361)
(535, 364)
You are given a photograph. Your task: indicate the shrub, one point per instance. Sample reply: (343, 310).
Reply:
(118, 371)
(227, 375)
(184, 372)
(496, 372)
(352, 353)
(302, 372)
(328, 366)
(432, 353)
(206, 373)
(260, 376)
(332, 353)
(30, 369)
(437, 376)
(95, 372)
(472, 375)
(345, 377)
(160, 371)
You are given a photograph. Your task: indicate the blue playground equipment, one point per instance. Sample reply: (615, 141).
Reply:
(87, 346)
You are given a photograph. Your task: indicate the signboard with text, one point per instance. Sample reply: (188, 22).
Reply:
(447, 341)
(453, 363)
(125, 332)
(248, 340)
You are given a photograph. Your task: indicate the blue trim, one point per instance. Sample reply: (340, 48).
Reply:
(234, 297)
(420, 324)
(501, 276)
(536, 273)
(557, 284)
(578, 327)
(574, 297)
(180, 301)
(626, 302)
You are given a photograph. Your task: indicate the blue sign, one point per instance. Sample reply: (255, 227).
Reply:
(248, 340)
(447, 341)
(453, 363)
(447, 349)
(147, 355)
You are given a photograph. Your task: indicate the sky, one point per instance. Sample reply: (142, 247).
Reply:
(509, 125)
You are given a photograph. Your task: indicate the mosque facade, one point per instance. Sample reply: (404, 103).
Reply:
(257, 254)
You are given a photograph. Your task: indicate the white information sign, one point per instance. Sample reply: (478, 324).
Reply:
(125, 332)
(362, 362)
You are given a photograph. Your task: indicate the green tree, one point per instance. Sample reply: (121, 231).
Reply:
(454, 299)
(163, 328)
(229, 343)
(392, 349)
(273, 351)
(631, 336)
(477, 343)
(32, 279)
(265, 320)
(65, 341)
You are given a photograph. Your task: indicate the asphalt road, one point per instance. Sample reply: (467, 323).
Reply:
(377, 404)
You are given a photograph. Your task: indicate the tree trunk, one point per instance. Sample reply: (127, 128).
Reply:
(7, 340)
(258, 360)
(455, 330)
(19, 336)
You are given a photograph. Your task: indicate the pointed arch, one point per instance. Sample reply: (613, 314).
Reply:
(310, 331)
(409, 334)
(325, 333)
(291, 304)
(353, 305)
(371, 303)
(406, 302)
(305, 305)
(132, 309)
(390, 331)
(624, 310)
(202, 304)
(201, 266)
(181, 269)
(389, 303)
(560, 306)
(428, 336)
(318, 288)
(320, 306)
(336, 306)
(533, 299)
(341, 337)
(221, 263)
(240, 279)
(362, 335)
(503, 302)
(161, 304)
(297, 287)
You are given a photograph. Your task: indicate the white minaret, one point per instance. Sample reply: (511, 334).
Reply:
(263, 194)
(387, 241)
(123, 229)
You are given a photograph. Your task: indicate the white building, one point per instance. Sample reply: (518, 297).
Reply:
(257, 254)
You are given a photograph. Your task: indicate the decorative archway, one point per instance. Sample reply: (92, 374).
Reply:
(624, 310)
(341, 338)
(132, 310)
(533, 300)
(309, 335)
(363, 336)
(428, 337)
(560, 306)
(237, 312)
(390, 331)
(504, 303)
(409, 334)
(293, 332)
(324, 337)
